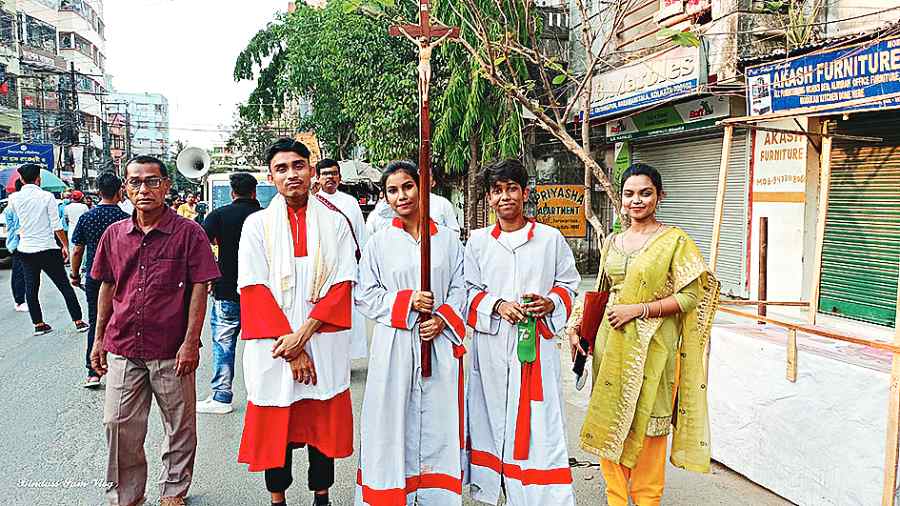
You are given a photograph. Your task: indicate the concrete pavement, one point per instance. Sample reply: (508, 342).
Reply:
(54, 450)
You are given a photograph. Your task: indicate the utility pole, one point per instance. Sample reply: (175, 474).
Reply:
(76, 124)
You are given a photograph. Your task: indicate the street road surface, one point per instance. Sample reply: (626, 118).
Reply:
(54, 449)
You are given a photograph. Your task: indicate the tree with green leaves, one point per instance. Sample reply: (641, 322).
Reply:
(251, 140)
(359, 81)
(507, 39)
(475, 123)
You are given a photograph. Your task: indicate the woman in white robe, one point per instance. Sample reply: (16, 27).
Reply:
(411, 427)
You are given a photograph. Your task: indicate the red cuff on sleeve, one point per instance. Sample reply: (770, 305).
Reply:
(334, 310)
(473, 308)
(566, 298)
(453, 319)
(261, 318)
(401, 308)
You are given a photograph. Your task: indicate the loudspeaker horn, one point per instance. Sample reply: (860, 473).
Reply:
(193, 162)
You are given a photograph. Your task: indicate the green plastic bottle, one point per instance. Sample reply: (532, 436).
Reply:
(526, 333)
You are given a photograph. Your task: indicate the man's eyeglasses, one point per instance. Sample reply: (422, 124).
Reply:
(152, 182)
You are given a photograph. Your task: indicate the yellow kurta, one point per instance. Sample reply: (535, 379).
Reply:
(636, 367)
(663, 343)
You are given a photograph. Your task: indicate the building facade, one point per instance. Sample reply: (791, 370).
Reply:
(148, 121)
(10, 102)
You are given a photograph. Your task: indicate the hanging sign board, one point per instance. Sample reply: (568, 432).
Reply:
(668, 75)
(561, 206)
(864, 71)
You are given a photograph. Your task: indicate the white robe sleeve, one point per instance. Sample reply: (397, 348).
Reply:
(455, 301)
(479, 303)
(374, 301)
(565, 285)
(448, 216)
(347, 267)
(253, 266)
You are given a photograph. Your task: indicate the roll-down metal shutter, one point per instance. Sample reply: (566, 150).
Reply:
(862, 231)
(690, 173)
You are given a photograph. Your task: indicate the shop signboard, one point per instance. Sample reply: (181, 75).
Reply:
(669, 119)
(779, 163)
(562, 206)
(868, 72)
(13, 154)
(671, 74)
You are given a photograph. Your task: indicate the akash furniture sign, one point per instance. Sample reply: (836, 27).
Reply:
(855, 73)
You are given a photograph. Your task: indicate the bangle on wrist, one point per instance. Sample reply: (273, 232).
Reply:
(496, 308)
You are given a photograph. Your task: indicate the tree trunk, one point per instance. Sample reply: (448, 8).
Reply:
(471, 206)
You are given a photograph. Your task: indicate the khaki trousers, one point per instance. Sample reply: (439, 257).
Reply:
(129, 385)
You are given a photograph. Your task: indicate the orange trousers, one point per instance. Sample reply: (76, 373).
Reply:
(647, 479)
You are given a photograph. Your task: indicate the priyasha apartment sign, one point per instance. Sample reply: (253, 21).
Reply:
(868, 73)
(562, 206)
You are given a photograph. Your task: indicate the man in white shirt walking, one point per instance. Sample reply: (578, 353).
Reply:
(39, 222)
(328, 174)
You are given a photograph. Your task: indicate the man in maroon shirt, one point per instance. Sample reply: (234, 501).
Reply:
(154, 269)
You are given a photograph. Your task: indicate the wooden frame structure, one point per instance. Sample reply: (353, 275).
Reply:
(892, 443)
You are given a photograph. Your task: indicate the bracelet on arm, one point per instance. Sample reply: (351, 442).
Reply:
(496, 308)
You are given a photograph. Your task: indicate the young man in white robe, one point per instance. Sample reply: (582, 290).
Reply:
(517, 438)
(296, 270)
(412, 435)
(328, 174)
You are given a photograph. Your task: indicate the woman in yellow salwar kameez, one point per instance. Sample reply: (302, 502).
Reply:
(649, 360)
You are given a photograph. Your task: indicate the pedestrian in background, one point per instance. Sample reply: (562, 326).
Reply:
(328, 173)
(85, 237)
(223, 227)
(126, 204)
(40, 228)
(18, 268)
(189, 209)
(153, 269)
(73, 212)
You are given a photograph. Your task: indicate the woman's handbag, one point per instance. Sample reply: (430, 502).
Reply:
(594, 309)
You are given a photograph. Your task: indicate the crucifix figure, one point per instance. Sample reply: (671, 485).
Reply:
(421, 35)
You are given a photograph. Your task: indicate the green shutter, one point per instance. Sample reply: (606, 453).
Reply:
(862, 232)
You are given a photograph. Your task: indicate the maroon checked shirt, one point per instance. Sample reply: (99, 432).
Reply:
(152, 276)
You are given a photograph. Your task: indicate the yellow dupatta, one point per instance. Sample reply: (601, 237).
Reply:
(619, 411)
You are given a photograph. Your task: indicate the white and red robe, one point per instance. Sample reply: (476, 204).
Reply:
(515, 417)
(412, 435)
(348, 205)
(316, 254)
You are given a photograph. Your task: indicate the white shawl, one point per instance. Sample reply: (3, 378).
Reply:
(321, 246)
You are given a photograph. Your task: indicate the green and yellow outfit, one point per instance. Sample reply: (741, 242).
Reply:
(651, 375)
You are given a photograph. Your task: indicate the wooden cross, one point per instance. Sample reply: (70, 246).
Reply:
(421, 35)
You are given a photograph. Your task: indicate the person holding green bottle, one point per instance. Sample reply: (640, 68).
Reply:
(521, 280)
